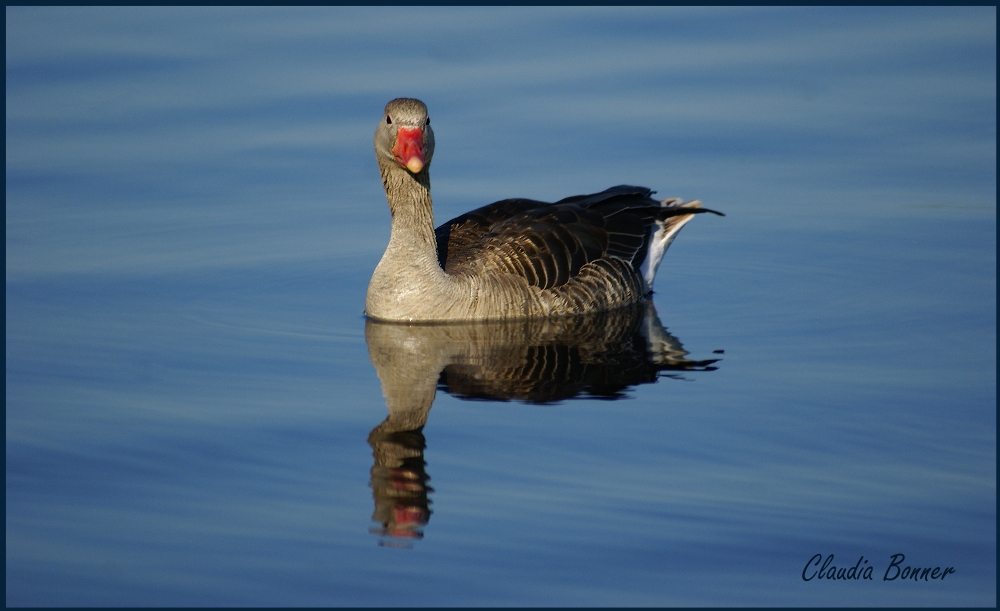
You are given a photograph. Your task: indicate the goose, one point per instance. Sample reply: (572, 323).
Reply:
(515, 258)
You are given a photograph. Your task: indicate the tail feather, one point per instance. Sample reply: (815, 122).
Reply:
(664, 231)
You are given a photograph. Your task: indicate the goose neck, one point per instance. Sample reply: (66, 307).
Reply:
(412, 210)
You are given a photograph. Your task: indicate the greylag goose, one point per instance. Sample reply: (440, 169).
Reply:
(515, 258)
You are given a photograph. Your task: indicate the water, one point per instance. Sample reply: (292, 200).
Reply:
(193, 213)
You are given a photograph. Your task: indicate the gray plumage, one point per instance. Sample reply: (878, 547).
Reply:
(516, 258)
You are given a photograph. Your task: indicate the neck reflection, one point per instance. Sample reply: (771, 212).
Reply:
(535, 361)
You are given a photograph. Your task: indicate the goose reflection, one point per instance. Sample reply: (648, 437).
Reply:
(536, 361)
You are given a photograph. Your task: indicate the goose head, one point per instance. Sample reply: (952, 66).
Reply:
(404, 138)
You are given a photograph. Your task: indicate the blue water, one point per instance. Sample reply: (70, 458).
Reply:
(193, 214)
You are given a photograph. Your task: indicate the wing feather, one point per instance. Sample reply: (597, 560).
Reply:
(549, 244)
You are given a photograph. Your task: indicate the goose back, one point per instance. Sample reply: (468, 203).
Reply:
(549, 245)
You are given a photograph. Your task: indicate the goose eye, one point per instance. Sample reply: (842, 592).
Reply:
(388, 120)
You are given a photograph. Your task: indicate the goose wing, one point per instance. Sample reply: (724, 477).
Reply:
(547, 244)
(459, 238)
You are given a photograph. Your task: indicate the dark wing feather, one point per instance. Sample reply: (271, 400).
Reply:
(612, 195)
(458, 239)
(548, 244)
(629, 213)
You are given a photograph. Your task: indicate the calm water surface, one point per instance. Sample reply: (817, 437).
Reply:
(199, 414)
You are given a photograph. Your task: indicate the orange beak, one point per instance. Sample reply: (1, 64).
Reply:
(409, 149)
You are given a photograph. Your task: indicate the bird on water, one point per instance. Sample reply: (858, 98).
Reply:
(515, 258)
